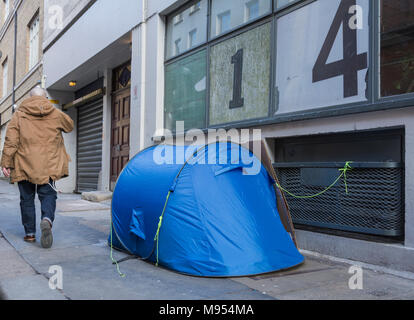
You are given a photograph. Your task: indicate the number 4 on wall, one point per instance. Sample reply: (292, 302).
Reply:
(352, 61)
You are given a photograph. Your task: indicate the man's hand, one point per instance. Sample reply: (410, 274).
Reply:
(6, 172)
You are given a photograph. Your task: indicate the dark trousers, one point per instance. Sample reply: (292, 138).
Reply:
(47, 196)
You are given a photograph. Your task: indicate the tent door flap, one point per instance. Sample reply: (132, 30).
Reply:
(137, 224)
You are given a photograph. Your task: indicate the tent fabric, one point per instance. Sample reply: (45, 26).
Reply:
(218, 221)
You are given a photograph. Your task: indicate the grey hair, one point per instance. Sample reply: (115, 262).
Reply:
(38, 91)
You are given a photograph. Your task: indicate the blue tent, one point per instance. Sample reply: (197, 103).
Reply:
(218, 220)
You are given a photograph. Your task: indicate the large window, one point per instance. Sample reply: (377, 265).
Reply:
(397, 47)
(34, 42)
(187, 28)
(243, 61)
(240, 77)
(185, 92)
(321, 62)
(227, 15)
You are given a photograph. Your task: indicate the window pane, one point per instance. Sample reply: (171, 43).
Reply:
(397, 47)
(5, 78)
(187, 29)
(185, 92)
(322, 62)
(227, 15)
(6, 9)
(283, 3)
(240, 77)
(34, 43)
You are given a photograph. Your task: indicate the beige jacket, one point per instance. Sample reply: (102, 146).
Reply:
(34, 147)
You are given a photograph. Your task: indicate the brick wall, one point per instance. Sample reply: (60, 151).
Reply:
(25, 79)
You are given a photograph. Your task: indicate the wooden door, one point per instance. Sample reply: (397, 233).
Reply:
(120, 141)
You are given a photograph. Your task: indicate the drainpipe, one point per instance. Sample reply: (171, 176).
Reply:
(143, 70)
(14, 63)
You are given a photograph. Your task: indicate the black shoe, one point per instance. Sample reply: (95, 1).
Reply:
(30, 239)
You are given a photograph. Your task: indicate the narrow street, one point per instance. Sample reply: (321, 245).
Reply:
(80, 249)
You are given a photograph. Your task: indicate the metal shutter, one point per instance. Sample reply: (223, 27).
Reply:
(89, 148)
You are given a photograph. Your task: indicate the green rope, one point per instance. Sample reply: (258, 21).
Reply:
(112, 249)
(343, 174)
(157, 235)
(344, 171)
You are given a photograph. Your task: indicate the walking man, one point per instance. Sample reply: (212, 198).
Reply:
(34, 155)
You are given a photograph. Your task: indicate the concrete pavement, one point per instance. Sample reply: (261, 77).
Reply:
(80, 249)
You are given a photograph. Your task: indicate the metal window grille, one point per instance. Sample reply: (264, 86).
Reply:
(374, 203)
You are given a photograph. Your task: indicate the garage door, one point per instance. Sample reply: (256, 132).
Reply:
(89, 149)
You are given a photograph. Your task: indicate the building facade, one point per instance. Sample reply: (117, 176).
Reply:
(328, 82)
(21, 60)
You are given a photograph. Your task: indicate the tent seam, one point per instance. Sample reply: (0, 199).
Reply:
(202, 217)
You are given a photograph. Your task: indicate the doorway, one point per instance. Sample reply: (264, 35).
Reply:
(120, 131)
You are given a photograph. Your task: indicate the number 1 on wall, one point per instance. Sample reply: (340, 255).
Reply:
(237, 60)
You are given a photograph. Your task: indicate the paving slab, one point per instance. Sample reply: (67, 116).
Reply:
(325, 280)
(12, 265)
(31, 287)
(312, 275)
(43, 259)
(79, 205)
(97, 278)
(97, 196)
(333, 291)
(68, 231)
